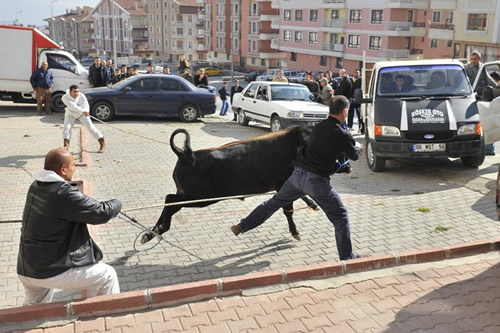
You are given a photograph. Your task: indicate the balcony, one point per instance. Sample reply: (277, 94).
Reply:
(395, 54)
(275, 23)
(177, 22)
(333, 4)
(275, 43)
(176, 35)
(140, 27)
(200, 25)
(396, 28)
(441, 31)
(268, 36)
(443, 4)
(333, 47)
(413, 4)
(416, 51)
(275, 4)
(338, 24)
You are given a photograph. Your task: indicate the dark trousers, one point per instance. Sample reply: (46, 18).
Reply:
(303, 182)
(350, 116)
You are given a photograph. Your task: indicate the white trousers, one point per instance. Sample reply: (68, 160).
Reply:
(93, 280)
(69, 120)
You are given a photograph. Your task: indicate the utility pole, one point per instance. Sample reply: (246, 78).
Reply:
(52, 20)
(115, 33)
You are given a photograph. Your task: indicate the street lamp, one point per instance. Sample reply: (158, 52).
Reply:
(52, 18)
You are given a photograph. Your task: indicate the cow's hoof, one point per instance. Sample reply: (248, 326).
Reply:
(297, 237)
(146, 237)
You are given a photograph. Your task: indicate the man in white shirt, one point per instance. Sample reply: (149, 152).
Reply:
(77, 107)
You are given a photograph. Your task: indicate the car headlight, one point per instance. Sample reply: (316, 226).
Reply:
(387, 130)
(469, 129)
(295, 114)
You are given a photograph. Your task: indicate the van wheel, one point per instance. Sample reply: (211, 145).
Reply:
(103, 111)
(375, 163)
(188, 113)
(242, 120)
(474, 161)
(57, 103)
(276, 124)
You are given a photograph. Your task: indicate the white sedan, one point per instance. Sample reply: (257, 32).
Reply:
(278, 104)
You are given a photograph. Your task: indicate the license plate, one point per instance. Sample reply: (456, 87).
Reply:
(429, 147)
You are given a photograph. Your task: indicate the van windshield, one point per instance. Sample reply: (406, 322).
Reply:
(426, 80)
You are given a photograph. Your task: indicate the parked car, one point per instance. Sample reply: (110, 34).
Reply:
(87, 61)
(214, 71)
(252, 76)
(278, 104)
(151, 95)
(297, 78)
(268, 75)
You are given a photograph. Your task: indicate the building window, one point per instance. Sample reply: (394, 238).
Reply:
(158, 42)
(298, 15)
(448, 43)
(436, 17)
(190, 45)
(165, 18)
(293, 56)
(151, 17)
(434, 43)
(157, 4)
(298, 36)
(166, 43)
(287, 15)
(313, 15)
(354, 41)
(287, 35)
(157, 30)
(375, 43)
(313, 38)
(190, 31)
(335, 14)
(449, 20)
(339, 63)
(322, 60)
(190, 18)
(410, 16)
(355, 16)
(477, 22)
(377, 16)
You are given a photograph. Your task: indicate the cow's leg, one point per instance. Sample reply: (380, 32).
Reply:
(288, 211)
(163, 223)
(310, 202)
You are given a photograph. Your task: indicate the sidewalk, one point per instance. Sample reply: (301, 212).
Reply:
(460, 295)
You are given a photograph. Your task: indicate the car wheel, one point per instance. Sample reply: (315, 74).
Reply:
(188, 113)
(276, 124)
(375, 163)
(103, 111)
(242, 120)
(474, 161)
(57, 103)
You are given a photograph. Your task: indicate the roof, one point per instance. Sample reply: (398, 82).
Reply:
(383, 64)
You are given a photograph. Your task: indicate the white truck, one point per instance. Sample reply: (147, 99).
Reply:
(23, 50)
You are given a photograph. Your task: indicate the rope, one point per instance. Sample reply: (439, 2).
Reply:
(128, 132)
(196, 201)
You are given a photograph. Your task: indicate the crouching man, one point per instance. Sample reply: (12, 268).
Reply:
(56, 250)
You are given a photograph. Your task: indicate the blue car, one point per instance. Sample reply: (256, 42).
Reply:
(155, 95)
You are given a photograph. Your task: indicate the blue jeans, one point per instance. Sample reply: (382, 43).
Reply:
(490, 148)
(303, 182)
(224, 108)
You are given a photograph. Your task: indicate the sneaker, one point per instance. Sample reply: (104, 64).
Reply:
(354, 255)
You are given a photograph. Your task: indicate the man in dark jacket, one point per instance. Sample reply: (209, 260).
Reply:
(316, 162)
(356, 84)
(235, 89)
(223, 98)
(56, 250)
(311, 84)
(97, 74)
(345, 85)
(42, 80)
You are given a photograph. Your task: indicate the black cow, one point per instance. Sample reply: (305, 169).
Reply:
(256, 165)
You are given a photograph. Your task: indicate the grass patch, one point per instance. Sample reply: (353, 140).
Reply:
(423, 210)
(441, 229)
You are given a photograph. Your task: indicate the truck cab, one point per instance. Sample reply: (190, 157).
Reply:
(421, 109)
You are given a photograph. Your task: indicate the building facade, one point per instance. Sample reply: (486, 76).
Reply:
(175, 28)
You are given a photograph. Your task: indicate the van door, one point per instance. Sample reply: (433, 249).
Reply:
(369, 108)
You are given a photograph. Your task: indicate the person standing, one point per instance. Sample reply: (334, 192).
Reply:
(313, 167)
(123, 72)
(235, 89)
(117, 76)
(311, 84)
(110, 73)
(345, 85)
(42, 80)
(97, 74)
(166, 70)
(472, 69)
(201, 80)
(182, 64)
(280, 77)
(56, 250)
(356, 84)
(187, 75)
(150, 69)
(77, 107)
(326, 92)
(223, 98)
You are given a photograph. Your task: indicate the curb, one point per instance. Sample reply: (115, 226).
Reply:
(202, 290)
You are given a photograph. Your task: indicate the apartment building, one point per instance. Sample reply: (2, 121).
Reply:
(175, 27)
(73, 30)
(243, 29)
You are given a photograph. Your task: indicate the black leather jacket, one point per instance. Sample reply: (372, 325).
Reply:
(54, 234)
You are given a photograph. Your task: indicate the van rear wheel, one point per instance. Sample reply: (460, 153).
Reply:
(375, 163)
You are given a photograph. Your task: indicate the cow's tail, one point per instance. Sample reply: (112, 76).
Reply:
(186, 154)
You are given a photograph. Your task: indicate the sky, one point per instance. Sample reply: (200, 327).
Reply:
(34, 11)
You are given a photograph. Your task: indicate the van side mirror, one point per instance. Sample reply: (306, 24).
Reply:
(358, 97)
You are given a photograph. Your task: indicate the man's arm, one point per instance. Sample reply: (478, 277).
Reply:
(73, 107)
(33, 78)
(351, 148)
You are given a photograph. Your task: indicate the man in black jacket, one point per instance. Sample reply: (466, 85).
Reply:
(345, 85)
(42, 80)
(356, 84)
(56, 250)
(97, 74)
(235, 89)
(315, 164)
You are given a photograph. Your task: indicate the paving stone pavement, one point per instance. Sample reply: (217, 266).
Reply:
(455, 296)
(383, 207)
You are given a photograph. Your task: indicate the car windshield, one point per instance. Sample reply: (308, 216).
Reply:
(289, 93)
(426, 80)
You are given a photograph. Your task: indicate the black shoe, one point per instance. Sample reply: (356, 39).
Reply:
(490, 153)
